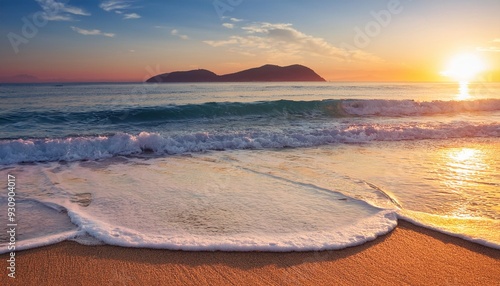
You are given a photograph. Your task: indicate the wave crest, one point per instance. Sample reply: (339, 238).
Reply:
(331, 108)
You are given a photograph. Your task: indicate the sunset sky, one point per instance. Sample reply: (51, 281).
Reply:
(388, 40)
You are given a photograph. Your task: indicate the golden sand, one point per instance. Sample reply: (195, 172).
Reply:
(409, 255)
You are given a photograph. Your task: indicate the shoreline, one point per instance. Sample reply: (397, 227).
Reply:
(408, 255)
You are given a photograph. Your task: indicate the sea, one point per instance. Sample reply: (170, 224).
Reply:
(247, 166)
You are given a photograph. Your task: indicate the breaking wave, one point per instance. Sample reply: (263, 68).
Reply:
(97, 147)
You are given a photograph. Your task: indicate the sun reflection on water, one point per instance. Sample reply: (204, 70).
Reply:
(464, 154)
(463, 90)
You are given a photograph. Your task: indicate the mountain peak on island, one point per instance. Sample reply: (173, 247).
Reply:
(265, 73)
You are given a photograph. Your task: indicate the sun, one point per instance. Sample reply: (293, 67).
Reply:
(464, 67)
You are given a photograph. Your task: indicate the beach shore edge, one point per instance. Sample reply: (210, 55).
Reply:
(408, 255)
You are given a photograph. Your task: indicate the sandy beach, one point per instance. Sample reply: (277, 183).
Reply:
(409, 255)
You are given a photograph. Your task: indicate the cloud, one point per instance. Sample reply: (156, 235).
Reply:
(94, 32)
(131, 16)
(57, 11)
(231, 19)
(57, 17)
(232, 41)
(112, 5)
(228, 25)
(175, 32)
(488, 49)
(493, 48)
(75, 11)
(120, 7)
(283, 40)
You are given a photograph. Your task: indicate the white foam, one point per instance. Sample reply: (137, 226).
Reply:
(358, 233)
(80, 148)
(382, 107)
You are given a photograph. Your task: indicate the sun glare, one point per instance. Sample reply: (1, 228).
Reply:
(464, 67)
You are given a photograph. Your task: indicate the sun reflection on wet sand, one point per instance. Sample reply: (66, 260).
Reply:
(463, 172)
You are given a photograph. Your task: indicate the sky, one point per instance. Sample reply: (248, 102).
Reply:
(342, 40)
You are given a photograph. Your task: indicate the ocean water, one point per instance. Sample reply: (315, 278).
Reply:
(248, 166)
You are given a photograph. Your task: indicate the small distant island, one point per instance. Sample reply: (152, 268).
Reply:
(264, 73)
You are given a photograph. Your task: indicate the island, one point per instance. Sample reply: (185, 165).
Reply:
(264, 73)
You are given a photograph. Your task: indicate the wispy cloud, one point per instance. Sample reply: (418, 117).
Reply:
(58, 11)
(53, 17)
(112, 5)
(120, 7)
(283, 40)
(175, 32)
(94, 32)
(131, 16)
(488, 49)
(231, 19)
(494, 47)
(228, 25)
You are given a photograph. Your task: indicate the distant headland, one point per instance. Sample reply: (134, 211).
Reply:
(264, 73)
